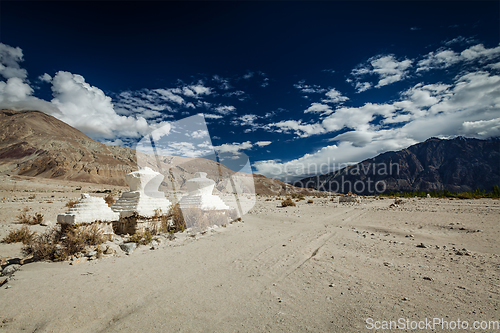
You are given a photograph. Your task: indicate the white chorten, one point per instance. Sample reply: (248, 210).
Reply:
(144, 199)
(200, 194)
(88, 210)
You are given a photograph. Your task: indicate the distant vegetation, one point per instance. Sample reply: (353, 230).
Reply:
(287, 202)
(477, 194)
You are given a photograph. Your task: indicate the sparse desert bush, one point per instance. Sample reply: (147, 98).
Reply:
(297, 196)
(110, 200)
(287, 202)
(310, 201)
(23, 235)
(25, 218)
(60, 244)
(37, 218)
(71, 203)
(173, 221)
(141, 238)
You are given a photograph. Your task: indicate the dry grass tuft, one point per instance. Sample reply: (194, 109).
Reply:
(175, 215)
(71, 203)
(60, 244)
(25, 218)
(141, 238)
(110, 200)
(37, 218)
(23, 235)
(287, 202)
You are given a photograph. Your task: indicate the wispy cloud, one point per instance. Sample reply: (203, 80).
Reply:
(386, 67)
(444, 58)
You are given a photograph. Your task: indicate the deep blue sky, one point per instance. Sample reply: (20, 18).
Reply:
(256, 58)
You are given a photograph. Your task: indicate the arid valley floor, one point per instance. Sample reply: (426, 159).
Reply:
(316, 267)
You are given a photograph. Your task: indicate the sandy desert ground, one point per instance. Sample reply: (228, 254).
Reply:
(318, 267)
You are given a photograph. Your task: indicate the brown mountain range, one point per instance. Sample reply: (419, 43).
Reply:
(35, 144)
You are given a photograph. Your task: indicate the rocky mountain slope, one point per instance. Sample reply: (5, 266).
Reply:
(35, 144)
(459, 164)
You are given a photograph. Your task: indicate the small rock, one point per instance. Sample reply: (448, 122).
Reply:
(10, 269)
(128, 248)
(47, 223)
(4, 281)
(388, 264)
(8, 287)
(422, 245)
(91, 254)
(3, 261)
(409, 236)
(108, 250)
(405, 299)
(79, 261)
(428, 278)
(331, 285)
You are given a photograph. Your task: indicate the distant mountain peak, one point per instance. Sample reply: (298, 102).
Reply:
(458, 164)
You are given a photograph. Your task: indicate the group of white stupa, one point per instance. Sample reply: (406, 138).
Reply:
(143, 201)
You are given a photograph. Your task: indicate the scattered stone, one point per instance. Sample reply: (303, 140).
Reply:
(79, 261)
(47, 223)
(331, 285)
(128, 248)
(9, 270)
(409, 236)
(405, 299)
(428, 278)
(388, 264)
(4, 261)
(91, 254)
(422, 245)
(108, 250)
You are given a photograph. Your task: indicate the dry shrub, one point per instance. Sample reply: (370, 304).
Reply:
(141, 238)
(25, 218)
(309, 201)
(23, 235)
(71, 203)
(110, 200)
(60, 244)
(287, 202)
(177, 220)
(37, 218)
